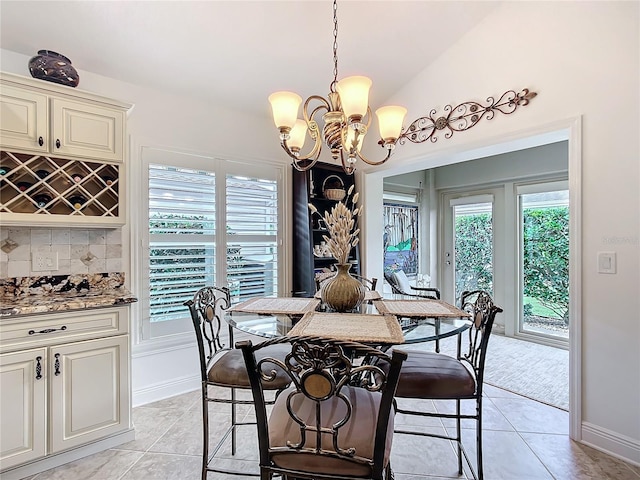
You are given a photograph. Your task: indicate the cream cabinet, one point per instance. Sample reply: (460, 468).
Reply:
(37, 116)
(62, 155)
(65, 383)
(23, 406)
(24, 119)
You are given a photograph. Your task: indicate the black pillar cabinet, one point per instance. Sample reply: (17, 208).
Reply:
(311, 187)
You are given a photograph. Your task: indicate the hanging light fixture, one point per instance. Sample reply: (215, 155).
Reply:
(346, 119)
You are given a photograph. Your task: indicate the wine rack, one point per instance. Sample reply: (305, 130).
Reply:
(44, 185)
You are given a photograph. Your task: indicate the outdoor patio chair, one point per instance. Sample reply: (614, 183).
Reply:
(400, 286)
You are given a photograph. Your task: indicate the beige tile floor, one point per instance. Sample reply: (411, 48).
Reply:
(523, 440)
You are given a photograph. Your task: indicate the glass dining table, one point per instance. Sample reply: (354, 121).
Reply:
(418, 320)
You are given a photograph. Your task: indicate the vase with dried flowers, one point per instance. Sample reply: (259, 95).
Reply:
(341, 292)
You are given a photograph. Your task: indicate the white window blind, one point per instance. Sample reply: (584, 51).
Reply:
(252, 237)
(181, 238)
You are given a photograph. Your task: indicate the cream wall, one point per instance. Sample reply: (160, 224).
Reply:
(583, 60)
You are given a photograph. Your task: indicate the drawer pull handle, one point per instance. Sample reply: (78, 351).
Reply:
(48, 330)
(40, 141)
(56, 365)
(57, 143)
(38, 368)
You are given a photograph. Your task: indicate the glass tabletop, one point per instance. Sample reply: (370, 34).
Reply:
(415, 330)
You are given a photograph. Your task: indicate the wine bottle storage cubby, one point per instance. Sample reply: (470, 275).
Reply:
(52, 186)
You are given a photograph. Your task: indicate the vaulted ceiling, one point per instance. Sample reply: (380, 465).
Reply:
(236, 53)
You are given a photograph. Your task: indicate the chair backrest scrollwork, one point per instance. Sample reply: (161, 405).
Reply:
(324, 377)
(480, 306)
(206, 309)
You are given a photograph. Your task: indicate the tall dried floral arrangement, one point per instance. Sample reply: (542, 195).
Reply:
(340, 222)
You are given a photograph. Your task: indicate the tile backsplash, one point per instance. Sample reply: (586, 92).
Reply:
(80, 251)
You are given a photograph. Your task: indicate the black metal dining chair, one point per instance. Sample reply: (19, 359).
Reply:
(335, 421)
(222, 366)
(436, 376)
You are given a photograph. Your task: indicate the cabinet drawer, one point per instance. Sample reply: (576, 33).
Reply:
(52, 329)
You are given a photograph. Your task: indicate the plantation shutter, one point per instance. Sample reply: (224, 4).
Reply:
(181, 238)
(252, 229)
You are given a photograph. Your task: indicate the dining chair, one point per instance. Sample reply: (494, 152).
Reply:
(436, 376)
(335, 420)
(400, 285)
(222, 366)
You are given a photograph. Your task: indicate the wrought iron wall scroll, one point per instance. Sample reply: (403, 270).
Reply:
(463, 116)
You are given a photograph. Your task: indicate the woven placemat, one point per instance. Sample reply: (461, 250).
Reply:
(274, 305)
(357, 327)
(419, 308)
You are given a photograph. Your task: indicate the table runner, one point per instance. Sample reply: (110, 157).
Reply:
(358, 327)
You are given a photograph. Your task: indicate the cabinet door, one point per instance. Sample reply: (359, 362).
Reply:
(87, 131)
(23, 120)
(90, 396)
(22, 406)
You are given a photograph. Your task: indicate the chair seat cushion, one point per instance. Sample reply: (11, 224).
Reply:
(358, 432)
(230, 370)
(434, 375)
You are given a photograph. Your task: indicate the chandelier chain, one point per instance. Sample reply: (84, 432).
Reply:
(335, 45)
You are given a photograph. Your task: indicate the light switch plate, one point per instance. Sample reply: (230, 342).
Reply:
(606, 262)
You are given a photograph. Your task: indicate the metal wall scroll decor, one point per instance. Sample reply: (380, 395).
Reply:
(463, 116)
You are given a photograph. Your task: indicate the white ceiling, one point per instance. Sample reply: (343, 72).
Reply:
(236, 53)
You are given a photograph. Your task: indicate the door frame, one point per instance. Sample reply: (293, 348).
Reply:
(569, 129)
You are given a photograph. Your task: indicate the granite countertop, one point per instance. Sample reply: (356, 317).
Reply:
(31, 295)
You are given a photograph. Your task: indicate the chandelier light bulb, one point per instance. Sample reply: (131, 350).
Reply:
(297, 136)
(354, 97)
(284, 106)
(390, 121)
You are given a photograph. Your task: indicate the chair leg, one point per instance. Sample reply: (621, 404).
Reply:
(233, 421)
(479, 438)
(437, 325)
(459, 436)
(205, 430)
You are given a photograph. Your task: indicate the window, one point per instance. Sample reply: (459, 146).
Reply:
(401, 232)
(181, 238)
(207, 225)
(544, 259)
(252, 227)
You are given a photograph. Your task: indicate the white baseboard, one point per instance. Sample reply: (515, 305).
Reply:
(167, 389)
(611, 443)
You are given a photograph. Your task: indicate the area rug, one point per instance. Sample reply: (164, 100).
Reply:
(535, 371)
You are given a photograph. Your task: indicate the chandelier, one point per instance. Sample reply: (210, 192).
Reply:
(346, 119)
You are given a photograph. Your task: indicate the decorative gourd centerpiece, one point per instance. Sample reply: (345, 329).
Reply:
(341, 292)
